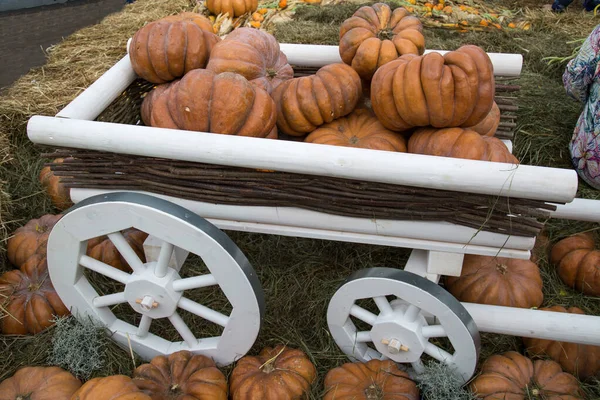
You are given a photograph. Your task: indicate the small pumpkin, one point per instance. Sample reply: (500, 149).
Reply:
(513, 376)
(39, 383)
(181, 376)
(305, 103)
(497, 281)
(255, 55)
(374, 379)
(58, 193)
(116, 387)
(459, 143)
(456, 89)
(102, 249)
(149, 99)
(489, 125)
(168, 48)
(578, 263)
(236, 106)
(234, 8)
(359, 129)
(375, 35)
(32, 301)
(577, 359)
(279, 373)
(28, 238)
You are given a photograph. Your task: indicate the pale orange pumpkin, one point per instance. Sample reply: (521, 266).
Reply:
(578, 263)
(115, 387)
(58, 193)
(39, 383)
(26, 240)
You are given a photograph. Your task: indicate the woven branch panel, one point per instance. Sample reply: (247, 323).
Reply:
(249, 187)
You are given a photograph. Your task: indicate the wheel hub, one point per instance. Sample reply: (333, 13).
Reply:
(152, 296)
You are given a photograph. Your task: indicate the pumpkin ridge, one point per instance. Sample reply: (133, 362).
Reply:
(330, 98)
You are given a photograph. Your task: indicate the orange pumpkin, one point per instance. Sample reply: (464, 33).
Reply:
(515, 377)
(374, 379)
(39, 383)
(459, 143)
(278, 373)
(116, 387)
(27, 239)
(102, 249)
(497, 281)
(149, 99)
(234, 8)
(32, 301)
(253, 54)
(375, 35)
(305, 103)
(359, 129)
(577, 359)
(170, 47)
(489, 125)
(456, 89)
(58, 193)
(181, 376)
(578, 263)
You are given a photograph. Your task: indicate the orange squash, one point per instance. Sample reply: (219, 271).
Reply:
(39, 383)
(102, 249)
(116, 387)
(578, 263)
(26, 240)
(58, 193)
(489, 125)
(234, 8)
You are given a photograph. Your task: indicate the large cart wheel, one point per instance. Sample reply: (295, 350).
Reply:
(411, 310)
(154, 289)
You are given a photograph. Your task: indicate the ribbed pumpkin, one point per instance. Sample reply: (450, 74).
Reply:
(511, 376)
(102, 249)
(255, 55)
(181, 376)
(497, 281)
(26, 239)
(459, 143)
(578, 359)
(279, 373)
(490, 123)
(578, 263)
(234, 8)
(149, 100)
(39, 383)
(305, 103)
(223, 103)
(456, 89)
(58, 193)
(116, 387)
(359, 129)
(32, 302)
(170, 47)
(374, 379)
(375, 35)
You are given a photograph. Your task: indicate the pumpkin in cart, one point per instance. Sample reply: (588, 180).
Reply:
(170, 47)
(578, 359)
(102, 249)
(279, 373)
(149, 99)
(32, 303)
(26, 240)
(489, 125)
(57, 191)
(39, 383)
(255, 55)
(234, 8)
(374, 379)
(513, 376)
(497, 281)
(578, 263)
(359, 129)
(459, 143)
(375, 35)
(224, 103)
(456, 89)
(181, 376)
(115, 387)
(307, 102)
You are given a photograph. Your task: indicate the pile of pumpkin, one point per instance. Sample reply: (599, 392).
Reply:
(385, 95)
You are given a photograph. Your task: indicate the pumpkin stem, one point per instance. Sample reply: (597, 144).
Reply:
(385, 34)
(353, 140)
(502, 268)
(271, 73)
(34, 287)
(175, 388)
(41, 228)
(374, 392)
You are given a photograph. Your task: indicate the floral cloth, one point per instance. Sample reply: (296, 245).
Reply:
(582, 82)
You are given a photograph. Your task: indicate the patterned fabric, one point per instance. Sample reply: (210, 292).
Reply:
(582, 82)
(561, 5)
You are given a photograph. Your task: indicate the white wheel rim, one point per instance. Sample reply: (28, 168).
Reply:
(400, 331)
(153, 289)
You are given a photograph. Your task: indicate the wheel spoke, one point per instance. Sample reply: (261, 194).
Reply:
(104, 269)
(412, 312)
(144, 326)
(433, 331)
(418, 366)
(362, 314)
(203, 311)
(363, 337)
(383, 305)
(162, 264)
(195, 282)
(183, 329)
(109, 300)
(437, 353)
(126, 251)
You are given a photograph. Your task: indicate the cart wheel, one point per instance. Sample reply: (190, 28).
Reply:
(399, 330)
(153, 289)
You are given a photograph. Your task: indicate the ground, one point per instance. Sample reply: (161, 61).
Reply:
(299, 276)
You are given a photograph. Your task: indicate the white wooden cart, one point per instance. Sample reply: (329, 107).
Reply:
(400, 331)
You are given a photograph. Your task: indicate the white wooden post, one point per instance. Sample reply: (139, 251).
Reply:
(152, 246)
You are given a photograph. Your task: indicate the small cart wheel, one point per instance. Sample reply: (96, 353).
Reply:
(154, 289)
(399, 329)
